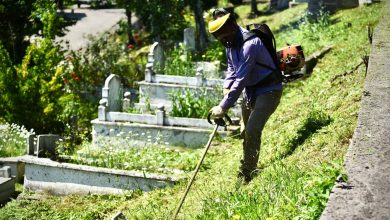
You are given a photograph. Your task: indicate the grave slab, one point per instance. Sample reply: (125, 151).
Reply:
(43, 174)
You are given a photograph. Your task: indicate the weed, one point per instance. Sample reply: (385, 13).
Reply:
(186, 103)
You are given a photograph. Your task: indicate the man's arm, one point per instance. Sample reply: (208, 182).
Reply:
(242, 74)
(230, 76)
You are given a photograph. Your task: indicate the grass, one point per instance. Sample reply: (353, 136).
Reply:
(151, 158)
(303, 144)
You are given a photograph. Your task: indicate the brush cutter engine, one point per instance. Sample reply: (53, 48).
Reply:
(291, 58)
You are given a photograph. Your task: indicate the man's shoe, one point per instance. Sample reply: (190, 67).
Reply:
(242, 179)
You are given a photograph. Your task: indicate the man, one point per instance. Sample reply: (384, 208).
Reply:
(248, 69)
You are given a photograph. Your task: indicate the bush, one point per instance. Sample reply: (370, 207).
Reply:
(38, 89)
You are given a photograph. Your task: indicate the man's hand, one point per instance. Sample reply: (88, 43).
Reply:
(225, 91)
(217, 112)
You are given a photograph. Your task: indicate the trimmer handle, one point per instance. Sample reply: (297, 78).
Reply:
(220, 121)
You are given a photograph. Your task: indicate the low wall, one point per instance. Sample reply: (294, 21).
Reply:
(42, 174)
(366, 193)
(175, 136)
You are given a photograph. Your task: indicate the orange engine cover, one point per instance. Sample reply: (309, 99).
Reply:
(291, 58)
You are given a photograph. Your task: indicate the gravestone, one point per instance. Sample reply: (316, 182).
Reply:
(31, 146)
(365, 2)
(112, 92)
(296, 2)
(5, 172)
(46, 145)
(315, 6)
(156, 57)
(278, 4)
(189, 39)
(282, 4)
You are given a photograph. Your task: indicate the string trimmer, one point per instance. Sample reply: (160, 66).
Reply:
(217, 122)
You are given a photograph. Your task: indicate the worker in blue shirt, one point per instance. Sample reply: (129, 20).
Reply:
(244, 74)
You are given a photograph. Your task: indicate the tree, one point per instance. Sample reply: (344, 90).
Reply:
(19, 19)
(15, 24)
(254, 10)
(197, 7)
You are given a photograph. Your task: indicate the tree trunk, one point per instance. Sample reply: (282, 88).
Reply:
(130, 39)
(254, 10)
(200, 25)
(273, 4)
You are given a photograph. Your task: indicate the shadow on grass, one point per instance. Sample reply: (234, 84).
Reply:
(313, 123)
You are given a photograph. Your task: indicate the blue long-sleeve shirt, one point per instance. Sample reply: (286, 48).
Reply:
(243, 72)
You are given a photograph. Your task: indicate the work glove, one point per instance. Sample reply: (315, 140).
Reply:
(225, 91)
(217, 112)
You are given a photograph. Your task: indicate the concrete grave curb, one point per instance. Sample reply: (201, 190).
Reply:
(57, 178)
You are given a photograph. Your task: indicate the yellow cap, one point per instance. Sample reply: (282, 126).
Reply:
(217, 24)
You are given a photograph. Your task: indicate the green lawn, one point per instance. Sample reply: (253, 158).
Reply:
(303, 143)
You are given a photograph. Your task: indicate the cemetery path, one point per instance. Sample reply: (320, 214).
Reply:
(90, 22)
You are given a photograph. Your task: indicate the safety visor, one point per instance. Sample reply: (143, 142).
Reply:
(218, 23)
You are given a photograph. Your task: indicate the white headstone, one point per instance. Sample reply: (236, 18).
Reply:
(112, 91)
(156, 57)
(189, 38)
(365, 2)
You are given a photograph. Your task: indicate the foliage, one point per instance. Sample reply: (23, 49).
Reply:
(179, 63)
(15, 24)
(162, 21)
(8, 87)
(189, 105)
(102, 57)
(215, 51)
(39, 87)
(45, 11)
(22, 19)
(13, 140)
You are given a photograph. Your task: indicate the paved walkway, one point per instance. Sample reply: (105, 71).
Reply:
(366, 194)
(91, 22)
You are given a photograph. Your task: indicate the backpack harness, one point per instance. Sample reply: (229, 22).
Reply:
(263, 32)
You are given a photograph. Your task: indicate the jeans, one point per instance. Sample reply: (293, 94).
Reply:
(254, 117)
